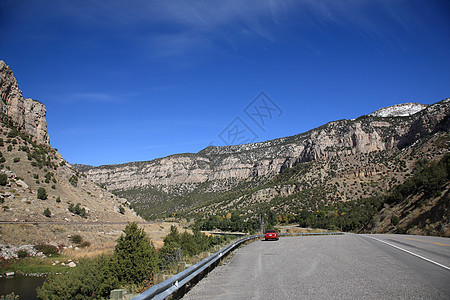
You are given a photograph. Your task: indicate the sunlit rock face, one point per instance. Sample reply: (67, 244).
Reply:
(25, 113)
(390, 128)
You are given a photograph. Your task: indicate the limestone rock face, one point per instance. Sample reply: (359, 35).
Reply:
(238, 163)
(26, 114)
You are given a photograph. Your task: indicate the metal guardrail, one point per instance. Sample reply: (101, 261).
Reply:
(180, 280)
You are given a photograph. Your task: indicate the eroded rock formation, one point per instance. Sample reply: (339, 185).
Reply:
(27, 114)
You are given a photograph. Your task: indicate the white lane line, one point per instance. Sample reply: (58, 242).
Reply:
(417, 255)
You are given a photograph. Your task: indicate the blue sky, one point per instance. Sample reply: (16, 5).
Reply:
(136, 80)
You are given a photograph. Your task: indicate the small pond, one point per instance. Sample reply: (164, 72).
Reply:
(24, 286)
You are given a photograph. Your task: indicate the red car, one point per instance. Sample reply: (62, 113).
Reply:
(271, 234)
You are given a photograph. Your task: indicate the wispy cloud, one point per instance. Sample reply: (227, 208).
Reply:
(96, 97)
(371, 18)
(92, 97)
(174, 27)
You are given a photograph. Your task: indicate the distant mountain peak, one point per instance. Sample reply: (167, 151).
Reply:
(399, 110)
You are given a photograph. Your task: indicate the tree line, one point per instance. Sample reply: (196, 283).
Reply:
(236, 223)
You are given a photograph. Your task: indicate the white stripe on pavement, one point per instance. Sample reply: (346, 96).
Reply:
(417, 255)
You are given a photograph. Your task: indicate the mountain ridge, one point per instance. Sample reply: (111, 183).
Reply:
(175, 179)
(210, 150)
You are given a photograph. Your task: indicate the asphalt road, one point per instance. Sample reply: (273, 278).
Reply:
(333, 267)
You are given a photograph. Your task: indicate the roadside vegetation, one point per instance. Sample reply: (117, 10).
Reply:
(233, 222)
(132, 265)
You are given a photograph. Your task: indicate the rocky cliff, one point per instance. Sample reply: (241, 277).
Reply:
(27, 114)
(363, 135)
(38, 186)
(187, 180)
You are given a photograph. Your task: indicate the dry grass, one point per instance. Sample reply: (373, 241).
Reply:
(89, 252)
(101, 237)
(299, 230)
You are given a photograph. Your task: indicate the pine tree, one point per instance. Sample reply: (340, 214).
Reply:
(47, 213)
(135, 257)
(3, 179)
(42, 194)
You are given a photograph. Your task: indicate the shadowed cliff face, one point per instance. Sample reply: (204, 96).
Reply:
(26, 114)
(238, 163)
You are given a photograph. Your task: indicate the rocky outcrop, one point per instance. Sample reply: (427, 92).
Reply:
(12, 252)
(27, 114)
(237, 163)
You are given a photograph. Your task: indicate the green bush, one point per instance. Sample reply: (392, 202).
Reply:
(177, 245)
(73, 180)
(188, 244)
(85, 244)
(58, 199)
(47, 249)
(171, 251)
(42, 193)
(3, 179)
(91, 279)
(47, 213)
(76, 239)
(13, 133)
(22, 253)
(78, 210)
(79, 241)
(394, 220)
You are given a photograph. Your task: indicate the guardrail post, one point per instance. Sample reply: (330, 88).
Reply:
(117, 294)
(158, 278)
(181, 266)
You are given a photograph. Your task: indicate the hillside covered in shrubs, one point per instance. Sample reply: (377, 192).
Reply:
(421, 201)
